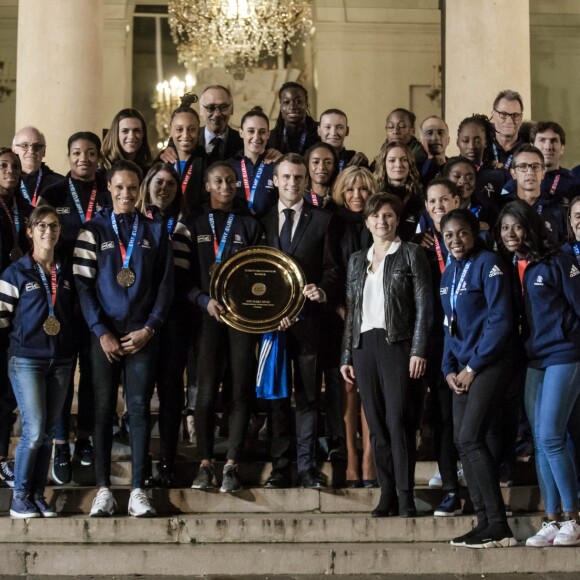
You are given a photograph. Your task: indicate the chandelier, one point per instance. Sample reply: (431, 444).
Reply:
(167, 98)
(236, 34)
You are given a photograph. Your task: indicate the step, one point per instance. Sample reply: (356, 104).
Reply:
(235, 560)
(246, 529)
(77, 500)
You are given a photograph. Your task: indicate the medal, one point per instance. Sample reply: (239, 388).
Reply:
(51, 326)
(126, 277)
(15, 254)
(213, 268)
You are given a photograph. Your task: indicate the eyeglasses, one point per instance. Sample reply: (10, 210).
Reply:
(36, 147)
(504, 116)
(54, 227)
(221, 108)
(400, 127)
(523, 167)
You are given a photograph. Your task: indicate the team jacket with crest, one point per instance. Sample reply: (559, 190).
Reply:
(552, 305)
(60, 197)
(483, 316)
(24, 309)
(108, 306)
(193, 245)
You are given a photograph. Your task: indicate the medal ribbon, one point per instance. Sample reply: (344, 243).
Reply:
(84, 217)
(341, 165)
(250, 193)
(496, 155)
(126, 253)
(442, 263)
(185, 179)
(219, 250)
(554, 184)
(24, 191)
(455, 293)
(50, 290)
(15, 222)
(577, 252)
(314, 198)
(302, 140)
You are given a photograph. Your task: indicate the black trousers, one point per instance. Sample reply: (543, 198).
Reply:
(382, 373)
(7, 400)
(473, 413)
(216, 344)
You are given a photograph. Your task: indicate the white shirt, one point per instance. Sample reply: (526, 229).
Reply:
(209, 146)
(373, 304)
(295, 216)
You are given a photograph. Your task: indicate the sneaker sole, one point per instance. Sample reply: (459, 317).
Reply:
(86, 463)
(459, 544)
(222, 490)
(503, 543)
(9, 484)
(20, 516)
(147, 514)
(57, 480)
(544, 545)
(567, 543)
(447, 514)
(49, 515)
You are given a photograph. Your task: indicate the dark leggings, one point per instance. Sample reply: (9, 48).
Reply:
(218, 343)
(472, 416)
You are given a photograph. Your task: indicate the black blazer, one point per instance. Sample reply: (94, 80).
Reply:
(226, 148)
(315, 246)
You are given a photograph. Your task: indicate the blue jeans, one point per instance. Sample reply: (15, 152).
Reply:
(40, 387)
(549, 399)
(137, 373)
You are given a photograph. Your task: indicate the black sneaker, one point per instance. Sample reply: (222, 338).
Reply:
(84, 451)
(205, 478)
(61, 467)
(460, 540)
(450, 506)
(494, 536)
(43, 508)
(230, 479)
(6, 474)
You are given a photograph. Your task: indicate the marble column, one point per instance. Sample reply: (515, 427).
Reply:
(60, 71)
(486, 50)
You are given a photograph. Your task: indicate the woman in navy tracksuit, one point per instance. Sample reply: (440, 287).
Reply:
(200, 243)
(123, 268)
(255, 186)
(551, 288)
(36, 305)
(476, 300)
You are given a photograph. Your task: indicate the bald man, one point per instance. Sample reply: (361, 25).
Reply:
(30, 146)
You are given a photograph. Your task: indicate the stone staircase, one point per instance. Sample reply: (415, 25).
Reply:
(262, 533)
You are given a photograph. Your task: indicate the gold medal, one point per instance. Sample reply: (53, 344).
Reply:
(15, 254)
(126, 277)
(51, 326)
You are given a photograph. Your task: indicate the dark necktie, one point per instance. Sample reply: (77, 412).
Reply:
(215, 152)
(286, 232)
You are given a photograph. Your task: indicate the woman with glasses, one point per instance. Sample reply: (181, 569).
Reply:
(77, 198)
(37, 309)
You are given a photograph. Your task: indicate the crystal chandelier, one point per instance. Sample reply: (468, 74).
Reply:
(236, 34)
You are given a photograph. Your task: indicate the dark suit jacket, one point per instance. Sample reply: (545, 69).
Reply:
(226, 148)
(315, 246)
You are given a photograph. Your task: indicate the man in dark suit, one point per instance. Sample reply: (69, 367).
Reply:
(216, 107)
(309, 235)
(220, 141)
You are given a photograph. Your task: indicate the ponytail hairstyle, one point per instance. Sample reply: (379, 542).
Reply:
(186, 101)
(112, 150)
(255, 112)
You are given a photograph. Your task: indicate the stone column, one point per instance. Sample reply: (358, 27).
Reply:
(60, 71)
(486, 50)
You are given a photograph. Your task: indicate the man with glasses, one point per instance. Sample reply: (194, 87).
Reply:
(528, 170)
(506, 117)
(30, 146)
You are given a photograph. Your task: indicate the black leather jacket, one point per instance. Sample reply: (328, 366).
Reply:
(408, 299)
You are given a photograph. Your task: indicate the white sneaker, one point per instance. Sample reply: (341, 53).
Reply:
(104, 504)
(569, 534)
(435, 481)
(139, 504)
(545, 537)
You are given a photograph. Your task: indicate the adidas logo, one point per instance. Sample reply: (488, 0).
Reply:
(574, 272)
(539, 281)
(495, 271)
(444, 291)
(548, 226)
